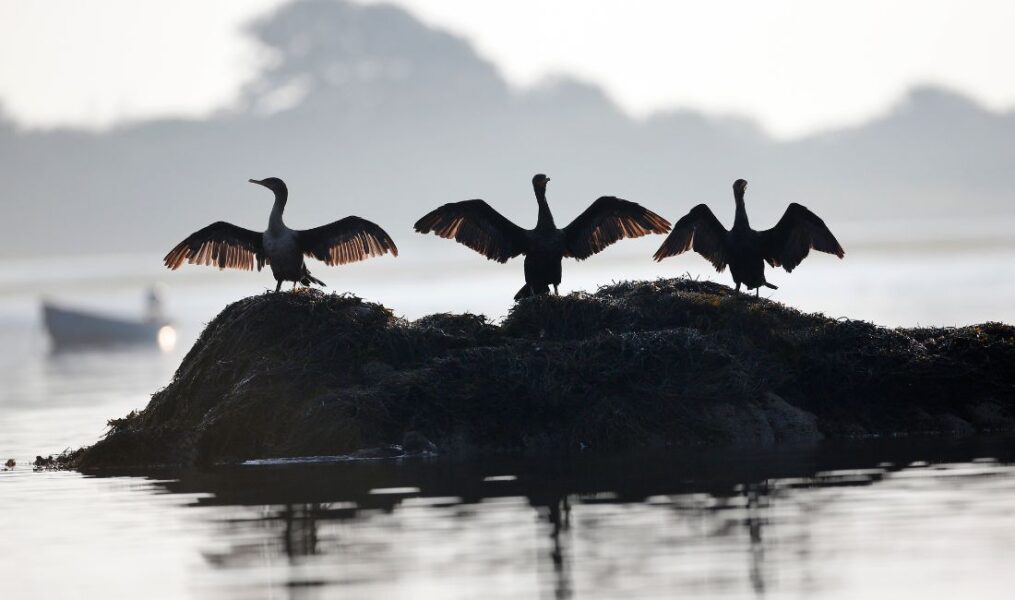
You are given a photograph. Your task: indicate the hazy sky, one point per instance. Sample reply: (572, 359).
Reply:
(795, 65)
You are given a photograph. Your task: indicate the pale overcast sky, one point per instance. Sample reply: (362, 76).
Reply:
(795, 65)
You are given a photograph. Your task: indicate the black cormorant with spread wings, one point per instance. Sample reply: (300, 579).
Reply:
(745, 250)
(477, 225)
(225, 245)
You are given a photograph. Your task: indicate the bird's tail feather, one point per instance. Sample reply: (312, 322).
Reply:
(769, 285)
(309, 279)
(532, 290)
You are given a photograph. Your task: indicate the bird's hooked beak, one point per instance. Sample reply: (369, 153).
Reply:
(257, 181)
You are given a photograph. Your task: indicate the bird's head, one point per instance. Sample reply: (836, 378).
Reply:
(739, 186)
(539, 181)
(274, 184)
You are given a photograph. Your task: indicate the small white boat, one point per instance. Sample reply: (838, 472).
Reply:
(71, 327)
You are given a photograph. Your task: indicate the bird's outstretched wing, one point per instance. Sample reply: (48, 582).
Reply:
(220, 244)
(477, 225)
(606, 221)
(799, 230)
(347, 240)
(698, 229)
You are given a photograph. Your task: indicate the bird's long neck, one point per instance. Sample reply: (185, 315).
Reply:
(740, 220)
(545, 220)
(275, 221)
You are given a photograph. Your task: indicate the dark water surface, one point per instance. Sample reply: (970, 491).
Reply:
(919, 517)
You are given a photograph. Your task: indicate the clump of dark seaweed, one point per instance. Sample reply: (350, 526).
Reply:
(666, 362)
(65, 460)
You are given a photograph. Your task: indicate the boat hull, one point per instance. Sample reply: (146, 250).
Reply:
(70, 327)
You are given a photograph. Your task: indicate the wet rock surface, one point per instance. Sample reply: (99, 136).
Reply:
(663, 363)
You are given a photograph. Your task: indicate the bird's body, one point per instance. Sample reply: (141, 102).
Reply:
(745, 250)
(282, 247)
(477, 225)
(284, 255)
(544, 251)
(746, 265)
(543, 257)
(226, 245)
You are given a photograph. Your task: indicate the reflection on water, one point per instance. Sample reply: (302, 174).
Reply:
(902, 518)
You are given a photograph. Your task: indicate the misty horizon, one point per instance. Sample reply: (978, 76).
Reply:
(369, 111)
(801, 76)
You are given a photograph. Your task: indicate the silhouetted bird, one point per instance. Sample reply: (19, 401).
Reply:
(745, 250)
(477, 225)
(225, 245)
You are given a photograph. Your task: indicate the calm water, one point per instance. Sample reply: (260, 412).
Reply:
(835, 521)
(876, 519)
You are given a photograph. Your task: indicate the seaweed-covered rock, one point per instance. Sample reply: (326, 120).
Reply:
(669, 362)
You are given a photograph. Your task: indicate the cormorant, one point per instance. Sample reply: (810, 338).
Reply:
(745, 250)
(477, 225)
(225, 245)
